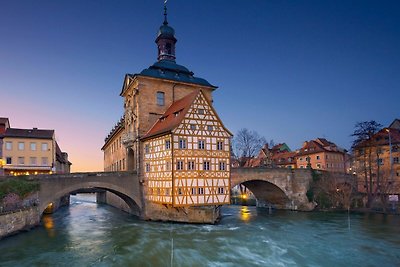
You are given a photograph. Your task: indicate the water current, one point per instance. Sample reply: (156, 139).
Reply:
(89, 234)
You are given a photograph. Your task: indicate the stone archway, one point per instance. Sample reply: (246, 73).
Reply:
(268, 194)
(131, 160)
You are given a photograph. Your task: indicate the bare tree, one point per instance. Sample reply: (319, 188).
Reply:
(247, 144)
(363, 148)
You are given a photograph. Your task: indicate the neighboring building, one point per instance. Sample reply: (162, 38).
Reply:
(32, 151)
(149, 98)
(271, 157)
(321, 154)
(285, 159)
(384, 160)
(4, 124)
(114, 150)
(187, 155)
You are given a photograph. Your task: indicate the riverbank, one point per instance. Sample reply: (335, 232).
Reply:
(21, 220)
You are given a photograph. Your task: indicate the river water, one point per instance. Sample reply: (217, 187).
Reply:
(88, 234)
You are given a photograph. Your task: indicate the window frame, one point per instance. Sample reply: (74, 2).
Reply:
(160, 98)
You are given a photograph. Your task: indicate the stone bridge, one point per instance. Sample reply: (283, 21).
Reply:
(282, 188)
(123, 184)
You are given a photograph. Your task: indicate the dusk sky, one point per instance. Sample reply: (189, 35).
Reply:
(290, 70)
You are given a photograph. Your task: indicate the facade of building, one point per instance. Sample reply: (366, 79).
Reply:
(321, 154)
(187, 155)
(379, 158)
(114, 151)
(4, 124)
(172, 175)
(32, 151)
(285, 159)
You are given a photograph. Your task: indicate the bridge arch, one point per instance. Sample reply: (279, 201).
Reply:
(125, 185)
(131, 201)
(283, 188)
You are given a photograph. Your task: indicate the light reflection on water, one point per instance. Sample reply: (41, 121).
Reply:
(88, 234)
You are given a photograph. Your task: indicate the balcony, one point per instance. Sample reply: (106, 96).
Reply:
(128, 139)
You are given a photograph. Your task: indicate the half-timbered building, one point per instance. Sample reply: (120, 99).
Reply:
(187, 154)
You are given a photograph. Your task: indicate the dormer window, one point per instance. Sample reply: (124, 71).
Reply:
(176, 114)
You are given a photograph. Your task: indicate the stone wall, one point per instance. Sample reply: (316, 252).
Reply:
(12, 223)
(115, 201)
(205, 214)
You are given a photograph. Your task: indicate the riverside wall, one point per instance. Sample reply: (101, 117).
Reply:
(21, 220)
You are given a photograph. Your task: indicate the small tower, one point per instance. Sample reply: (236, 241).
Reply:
(166, 40)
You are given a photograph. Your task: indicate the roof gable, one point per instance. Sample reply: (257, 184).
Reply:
(202, 114)
(178, 112)
(173, 116)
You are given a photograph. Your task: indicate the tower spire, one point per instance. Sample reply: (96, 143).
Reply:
(165, 13)
(166, 39)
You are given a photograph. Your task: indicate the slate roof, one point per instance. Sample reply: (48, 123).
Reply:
(169, 70)
(29, 133)
(173, 116)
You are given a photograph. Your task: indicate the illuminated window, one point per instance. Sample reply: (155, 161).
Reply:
(45, 147)
(21, 146)
(160, 98)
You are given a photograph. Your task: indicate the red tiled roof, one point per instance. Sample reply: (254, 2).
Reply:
(173, 116)
(283, 158)
(29, 133)
(319, 145)
(382, 138)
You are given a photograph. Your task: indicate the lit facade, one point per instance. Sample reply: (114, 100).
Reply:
(187, 155)
(321, 154)
(32, 151)
(114, 150)
(379, 158)
(171, 175)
